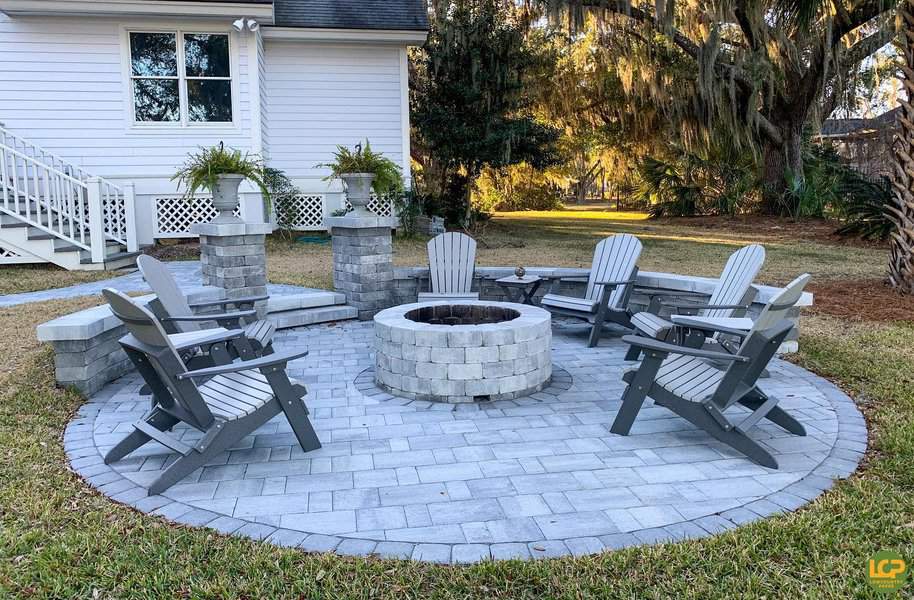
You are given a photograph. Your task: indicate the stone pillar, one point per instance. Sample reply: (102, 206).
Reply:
(362, 261)
(233, 257)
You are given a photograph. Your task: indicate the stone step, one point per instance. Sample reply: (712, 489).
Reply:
(310, 316)
(288, 302)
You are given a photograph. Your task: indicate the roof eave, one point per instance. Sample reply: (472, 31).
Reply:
(261, 11)
(400, 37)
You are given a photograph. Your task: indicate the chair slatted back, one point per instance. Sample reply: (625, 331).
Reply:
(150, 338)
(760, 346)
(614, 259)
(166, 289)
(451, 263)
(767, 334)
(740, 271)
(776, 308)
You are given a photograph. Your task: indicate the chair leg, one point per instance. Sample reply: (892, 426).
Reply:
(634, 353)
(595, 332)
(635, 394)
(777, 415)
(301, 424)
(289, 397)
(184, 466)
(160, 420)
(698, 415)
(742, 443)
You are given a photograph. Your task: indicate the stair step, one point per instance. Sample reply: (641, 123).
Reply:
(40, 234)
(287, 302)
(310, 316)
(115, 261)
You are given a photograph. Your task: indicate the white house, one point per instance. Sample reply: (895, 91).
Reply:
(102, 100)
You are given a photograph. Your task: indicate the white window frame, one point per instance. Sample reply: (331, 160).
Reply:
(183, 121)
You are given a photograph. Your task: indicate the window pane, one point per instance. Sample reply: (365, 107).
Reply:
(153, 54)
(209, 100)
(156, 99)
(206, 55)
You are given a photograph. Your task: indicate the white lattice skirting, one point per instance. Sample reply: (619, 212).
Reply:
(304, 212)
(175, 214)
(382, 208)
(8, 256)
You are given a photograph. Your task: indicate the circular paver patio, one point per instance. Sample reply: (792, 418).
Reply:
(539, 476)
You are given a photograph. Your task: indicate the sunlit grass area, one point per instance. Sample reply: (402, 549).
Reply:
(564, 238)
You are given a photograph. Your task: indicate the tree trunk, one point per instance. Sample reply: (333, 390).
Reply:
(901, 261)
(777, 161)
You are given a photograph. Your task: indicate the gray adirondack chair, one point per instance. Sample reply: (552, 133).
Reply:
(451, 265)
(688, 381)
(236, 399)
(609, 287)
(732, 294)
(178, 317)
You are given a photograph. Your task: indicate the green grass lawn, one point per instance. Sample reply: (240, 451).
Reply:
(61, 539)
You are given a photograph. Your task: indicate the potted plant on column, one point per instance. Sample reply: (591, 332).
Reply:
(363, 170)
(221, 171)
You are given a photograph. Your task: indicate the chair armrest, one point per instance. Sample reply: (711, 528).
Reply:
(236, 301)
(665, 291)
(651, 344)
(701, 324)
(615, 283)
(269, 360)
(214, 317)
(581, 278)
(206, 340)
(701, 306)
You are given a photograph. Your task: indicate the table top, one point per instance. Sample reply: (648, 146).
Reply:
(515, 280)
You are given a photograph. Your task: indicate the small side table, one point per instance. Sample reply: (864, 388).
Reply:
(520, 290)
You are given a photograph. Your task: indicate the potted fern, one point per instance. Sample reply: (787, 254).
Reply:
(221, 171)
(363, 170)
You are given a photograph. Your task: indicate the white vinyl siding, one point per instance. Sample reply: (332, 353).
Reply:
(64, 84)
(321, 95)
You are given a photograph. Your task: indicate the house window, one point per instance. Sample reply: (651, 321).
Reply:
(180, 77)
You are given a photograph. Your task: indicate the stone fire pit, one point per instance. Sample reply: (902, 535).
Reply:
(463, 351)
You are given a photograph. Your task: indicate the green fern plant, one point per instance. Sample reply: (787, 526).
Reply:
(388, 178)
(202, 170)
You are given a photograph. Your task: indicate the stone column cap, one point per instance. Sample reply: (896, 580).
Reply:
(352, 222)
(227, 229)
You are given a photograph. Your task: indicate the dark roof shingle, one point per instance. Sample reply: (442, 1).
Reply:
(846, 126)
(352, 14)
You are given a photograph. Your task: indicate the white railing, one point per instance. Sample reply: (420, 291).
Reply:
(64, 200)
(45, 198)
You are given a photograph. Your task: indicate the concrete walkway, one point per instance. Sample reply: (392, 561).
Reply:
(187, 274)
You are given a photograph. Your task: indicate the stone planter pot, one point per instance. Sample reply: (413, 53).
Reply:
(358, 192)
(225, 197)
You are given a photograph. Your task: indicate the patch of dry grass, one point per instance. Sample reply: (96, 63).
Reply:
(16, 279)
(18, 344)
(563, 238)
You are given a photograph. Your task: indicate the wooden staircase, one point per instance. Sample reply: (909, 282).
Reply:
(54, 212)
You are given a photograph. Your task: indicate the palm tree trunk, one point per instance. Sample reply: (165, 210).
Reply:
(901, 266)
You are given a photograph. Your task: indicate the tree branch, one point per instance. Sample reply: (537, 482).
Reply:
(866, 47)
(769, 130)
